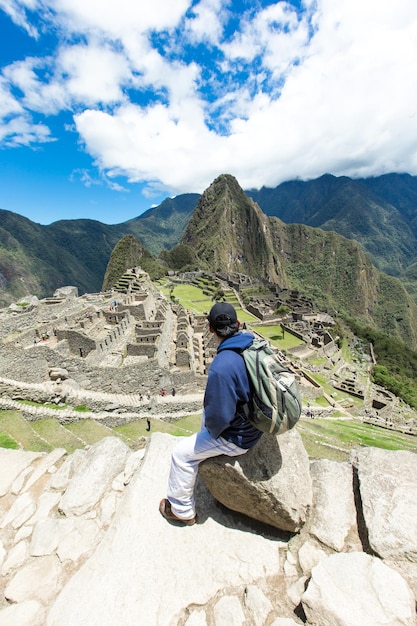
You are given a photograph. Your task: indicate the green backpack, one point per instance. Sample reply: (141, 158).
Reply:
(275, 405)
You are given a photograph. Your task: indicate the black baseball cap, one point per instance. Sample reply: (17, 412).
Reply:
(222, 314)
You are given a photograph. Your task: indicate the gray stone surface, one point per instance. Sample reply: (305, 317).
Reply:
(228, 612)
(388, 488)
(39, 580)
(333, 515)
(357, 589)
(13, 462)
(121, 563)
(102, 463)
(257, 604)
(270, 483)
(139, 567)
(28, 613)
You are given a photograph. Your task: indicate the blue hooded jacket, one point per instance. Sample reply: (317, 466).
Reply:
(226, 391)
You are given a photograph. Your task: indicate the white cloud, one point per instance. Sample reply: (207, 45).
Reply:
(332, 88)
(207, 20)
(38, 95)
(17, 12)
(116, 20)
(93, 74)
(9, 106)
(16, 126)
(21, 131)
(275, 33)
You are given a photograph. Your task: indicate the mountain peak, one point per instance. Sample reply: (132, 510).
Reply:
(229, 232)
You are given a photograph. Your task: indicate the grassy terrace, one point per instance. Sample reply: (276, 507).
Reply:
(323, 438)
(193, 298)
(46, 434)
(275, 337)
(334, 439)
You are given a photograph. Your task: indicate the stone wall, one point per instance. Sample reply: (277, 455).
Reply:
(78, 342)
(182, 358)
(142, 348)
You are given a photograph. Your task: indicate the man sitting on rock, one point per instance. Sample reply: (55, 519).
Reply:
(225, 430)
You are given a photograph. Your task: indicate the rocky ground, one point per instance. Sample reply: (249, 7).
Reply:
(82, 540)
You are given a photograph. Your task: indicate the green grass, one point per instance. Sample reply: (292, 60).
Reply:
(335, 439)
(45, 434)
(8, 442)
(56, 435)
(193, 299)
(274, 335)
(323, 438)
(182, 427)
(321, 401)
(88, 430)
(13, 423)
(186, 425)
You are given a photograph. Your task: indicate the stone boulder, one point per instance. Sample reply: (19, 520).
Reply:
(68, 292)
(333, 515)
(270, 483)
(28, 303)
(357, 589)
(58, 373)
(388, 489)
(102, 463)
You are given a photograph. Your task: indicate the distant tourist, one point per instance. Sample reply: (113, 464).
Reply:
(148, 424)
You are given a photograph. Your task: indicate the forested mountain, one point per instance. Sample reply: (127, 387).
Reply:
(229, 233)
(379, 214)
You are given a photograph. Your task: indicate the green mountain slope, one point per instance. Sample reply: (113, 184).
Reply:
(161, 228)
(37, 259)
(337, 274)
(229, 233)
(379, 213)
(129, 253)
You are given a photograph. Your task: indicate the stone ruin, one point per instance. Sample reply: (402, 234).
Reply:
(131, 340)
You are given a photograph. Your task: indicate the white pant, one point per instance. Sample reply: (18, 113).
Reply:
(186, 457)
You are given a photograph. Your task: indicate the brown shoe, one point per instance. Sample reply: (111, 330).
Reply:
(166, 511)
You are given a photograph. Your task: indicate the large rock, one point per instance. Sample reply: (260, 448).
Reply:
(356, 589)
(388, 488)
(102, 463)
(333, 515)
(13, 463)
(271, 483)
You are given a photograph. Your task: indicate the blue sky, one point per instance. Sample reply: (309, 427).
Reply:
(107, 108)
